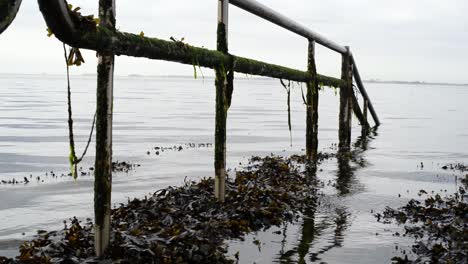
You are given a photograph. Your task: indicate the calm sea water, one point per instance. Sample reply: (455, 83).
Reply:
(421, 124)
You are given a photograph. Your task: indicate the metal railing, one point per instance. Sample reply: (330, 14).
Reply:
(68, 33)
(271, 15)
(81, 32)
(8, 11)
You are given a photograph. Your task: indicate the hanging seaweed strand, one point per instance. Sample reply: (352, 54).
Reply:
(288, 91)
(72, 156)
(304, 100)
(74, 58)
(89, 141)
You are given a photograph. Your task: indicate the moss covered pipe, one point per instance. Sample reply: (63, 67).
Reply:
(346, 103)
(224, 83)
(359, 114)
(104, 113)
(312, 107)
(70, 29)
(8, 11)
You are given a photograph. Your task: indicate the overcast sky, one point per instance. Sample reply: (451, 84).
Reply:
(391, 40)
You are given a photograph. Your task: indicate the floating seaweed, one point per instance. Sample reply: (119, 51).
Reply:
(158, 150)
(439, 225)
(456, 167)
(117, 166)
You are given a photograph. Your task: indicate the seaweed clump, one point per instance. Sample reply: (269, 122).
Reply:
(117, 167)
(439, 225)
(187, 224)
(456, 167)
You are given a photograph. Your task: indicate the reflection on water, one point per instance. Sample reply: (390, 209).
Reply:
(314, 227)
(339, 224)
(312, 231)
(350, 161)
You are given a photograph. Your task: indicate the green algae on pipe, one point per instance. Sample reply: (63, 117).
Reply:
(346, 103)
(8, 11)
(224, 85)
(359, 114)
(67, 28)
(104, 114)
(312, 107)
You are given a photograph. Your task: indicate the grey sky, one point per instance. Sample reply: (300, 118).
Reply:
(392, 40)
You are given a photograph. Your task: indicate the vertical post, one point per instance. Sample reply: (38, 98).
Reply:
(103, 163)
(346, 106)
(224, 88)
(365, 129)
(358, 113)
(312, 106)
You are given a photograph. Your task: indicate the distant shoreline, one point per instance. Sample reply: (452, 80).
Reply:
(240, 76)
(416, 83)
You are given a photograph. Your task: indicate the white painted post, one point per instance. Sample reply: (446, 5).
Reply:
(223, 14)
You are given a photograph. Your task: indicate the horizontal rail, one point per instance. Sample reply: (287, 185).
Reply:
(8, 11)
(363, 91)
(68, 27)
(271, 15)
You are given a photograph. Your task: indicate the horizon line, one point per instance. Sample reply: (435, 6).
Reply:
(134, 75)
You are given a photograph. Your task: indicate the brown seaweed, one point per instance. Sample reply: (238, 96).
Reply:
(187, 224)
